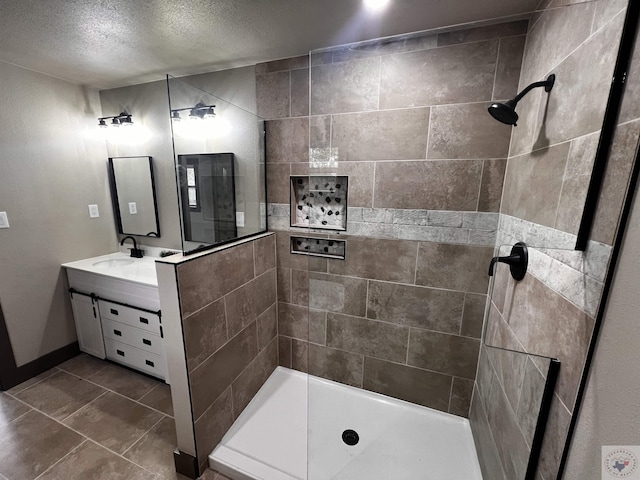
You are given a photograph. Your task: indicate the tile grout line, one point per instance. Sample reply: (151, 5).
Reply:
(143, 435)
(33, 385)
(450, 394)
(61, 459)
(464, 305)
(495, 71)
(426, 153)
(119, 394)
(83, 406)
(85, 436)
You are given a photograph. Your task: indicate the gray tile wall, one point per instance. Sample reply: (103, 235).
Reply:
(406, 120)
(228, 302)
(551, 312)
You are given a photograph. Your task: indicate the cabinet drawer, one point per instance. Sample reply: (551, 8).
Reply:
(131, 316)
(143, 339)
(135, 358)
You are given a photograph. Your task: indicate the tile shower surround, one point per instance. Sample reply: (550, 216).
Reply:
(551, 312)
(228, 309)
(402, 315)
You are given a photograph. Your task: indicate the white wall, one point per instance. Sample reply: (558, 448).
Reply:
(610, 412)
(52, 165)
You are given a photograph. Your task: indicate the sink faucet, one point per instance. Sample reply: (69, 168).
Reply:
(135, 252)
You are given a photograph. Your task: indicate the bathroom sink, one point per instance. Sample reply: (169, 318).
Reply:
(114, 263)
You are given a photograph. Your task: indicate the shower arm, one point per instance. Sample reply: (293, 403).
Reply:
(547, 84)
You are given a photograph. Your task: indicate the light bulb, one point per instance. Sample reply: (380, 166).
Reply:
(375, 5)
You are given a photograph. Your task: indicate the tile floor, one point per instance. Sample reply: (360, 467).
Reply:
(88, 419)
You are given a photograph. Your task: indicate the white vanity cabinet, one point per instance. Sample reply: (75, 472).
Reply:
(117, 311)
(88, 326)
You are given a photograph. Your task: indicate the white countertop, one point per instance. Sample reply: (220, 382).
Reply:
(140, 270)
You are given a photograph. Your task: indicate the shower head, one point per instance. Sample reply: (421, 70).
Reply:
(506, 112)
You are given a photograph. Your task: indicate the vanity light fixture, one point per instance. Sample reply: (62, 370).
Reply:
(123, 119)
(199, 112)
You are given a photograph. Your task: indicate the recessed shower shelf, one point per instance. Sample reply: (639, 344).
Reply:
(319, 247)
(319, 202)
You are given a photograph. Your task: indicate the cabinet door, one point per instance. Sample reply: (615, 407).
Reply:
(88, 326)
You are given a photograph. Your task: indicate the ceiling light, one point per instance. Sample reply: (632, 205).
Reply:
(375, 5)
(102, 123)
(210, 114)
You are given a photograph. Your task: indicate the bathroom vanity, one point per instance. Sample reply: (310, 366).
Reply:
(116, 309)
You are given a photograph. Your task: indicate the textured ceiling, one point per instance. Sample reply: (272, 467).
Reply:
(107, 43)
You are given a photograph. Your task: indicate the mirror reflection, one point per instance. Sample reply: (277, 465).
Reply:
(134, 197)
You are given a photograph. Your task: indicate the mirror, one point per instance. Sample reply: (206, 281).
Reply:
(134, 196)
(208, 197)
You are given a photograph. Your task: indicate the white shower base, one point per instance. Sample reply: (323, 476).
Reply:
(292, 410)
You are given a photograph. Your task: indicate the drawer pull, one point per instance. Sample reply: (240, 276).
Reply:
(146, 342)
(120, 352)
(150, 363)
(117, 332)
(144, 320)
(113, 311)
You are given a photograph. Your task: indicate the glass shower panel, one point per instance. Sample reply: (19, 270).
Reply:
(220, 167)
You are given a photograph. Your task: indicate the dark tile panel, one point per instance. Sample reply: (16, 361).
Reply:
(336, 365)
(461, 393)
(154, 451)
(411, 306)
(454, 267)
(466, 131)
(213, 376)
(264, 251)
(204, 332)
(512, 448)
(338, 294)
(428, 184)
(368, 337)
(473, 315)
(213, 424)
(528, 410)
(244, 304)
(248, 383)
(60, 395)
(508, 69)
(284, 285)
(615, 183)
(293, 321)
(113, 421)
(300, 92)
(384, 46)
(318, 327)
(123, 381)
(300, 287)
(477, 34)
(273, 95)
(447, 354)
(284, 351)
(287, 140)
(278, 190)
(486, 449)
(291, 63)
(32, 443)
(383, 135)
(378, 259)
(267, 324)
(491, 185)
(300, 355)
(548, 325)
(407, 383)
(554, 439)
(199, 287)
(458, 74)
(10, 409)
(345, 87)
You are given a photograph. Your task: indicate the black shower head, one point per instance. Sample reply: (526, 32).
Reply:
(506, 112)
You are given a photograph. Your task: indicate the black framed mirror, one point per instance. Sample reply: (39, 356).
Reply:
(134, 196)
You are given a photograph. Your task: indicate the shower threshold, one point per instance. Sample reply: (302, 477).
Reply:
(301, 427)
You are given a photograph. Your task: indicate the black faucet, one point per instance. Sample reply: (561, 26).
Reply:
(517, 261)
(135, 251)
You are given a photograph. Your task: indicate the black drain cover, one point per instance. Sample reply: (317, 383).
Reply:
(350, 437)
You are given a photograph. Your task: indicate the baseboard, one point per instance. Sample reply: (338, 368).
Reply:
(186, 464)
(36, 367)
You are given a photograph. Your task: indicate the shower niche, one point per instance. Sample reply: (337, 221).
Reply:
(319, 202)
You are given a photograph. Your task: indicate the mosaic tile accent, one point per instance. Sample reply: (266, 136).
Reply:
(319, 202)
(318, 247)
